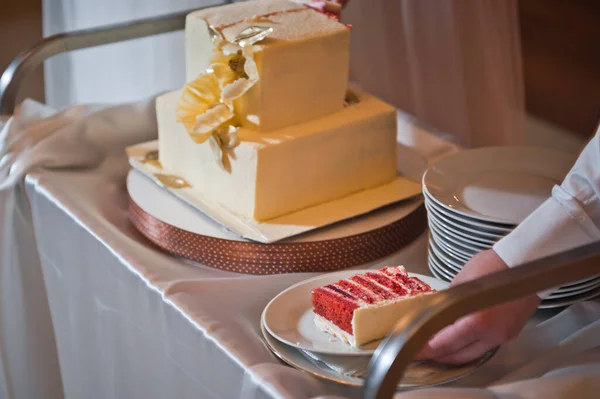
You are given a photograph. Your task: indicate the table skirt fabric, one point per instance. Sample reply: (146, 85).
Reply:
(98, 312)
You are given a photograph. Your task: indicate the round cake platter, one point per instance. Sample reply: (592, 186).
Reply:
(181, 230)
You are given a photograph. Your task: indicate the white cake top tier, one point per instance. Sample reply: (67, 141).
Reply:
(300, 69)
(290, 20)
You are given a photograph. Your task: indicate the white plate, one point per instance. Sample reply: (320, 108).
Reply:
(460, 226)
(562, 302)
(437, 274)
(416, 375)
(399, 191)
(443, 267)
(472, 238)
(462, 257)
(446, 266)
(169, 209)
(289, 316)
(452, 263)
(579, 287)
(580, 284)
(548, 303)
(440, 268)
(497, 184)
(476, 223)
(453, 244)
(572, 293)
(455, 239)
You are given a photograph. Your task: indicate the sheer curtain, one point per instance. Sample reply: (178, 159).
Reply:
(455, 64)
(115, 73)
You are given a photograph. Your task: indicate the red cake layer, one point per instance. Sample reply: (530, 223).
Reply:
(337, 302)
(367, 284)
(338, 308)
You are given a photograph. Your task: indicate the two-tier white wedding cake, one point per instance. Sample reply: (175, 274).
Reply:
(266, 124)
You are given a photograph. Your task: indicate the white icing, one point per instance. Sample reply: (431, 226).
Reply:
(302, 66)
(326, 326)
(211, 119)
(276, 173)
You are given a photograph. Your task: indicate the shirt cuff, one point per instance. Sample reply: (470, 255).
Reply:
(552, 228)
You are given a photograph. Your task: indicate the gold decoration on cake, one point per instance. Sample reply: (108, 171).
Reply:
(197, 97)
(222, 142)
(214, 34)
(228, 68)
(252, 34)
(171, 181)
(206, 104)
(234, 65)
(200, 108)
(151, 158)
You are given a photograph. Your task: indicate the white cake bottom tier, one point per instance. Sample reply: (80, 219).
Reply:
(296, 167)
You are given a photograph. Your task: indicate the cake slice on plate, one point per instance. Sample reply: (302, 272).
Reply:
(365, 307)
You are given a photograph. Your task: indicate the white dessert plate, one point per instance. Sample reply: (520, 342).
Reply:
(449, 250)
(470, 237)
(556, 300)
(453, 244)
(496, 184)
(575, 292)
(452, 263)
(457, 240)
(475, 223)
(562, 302)
(289, 317)
(417, 374)
(442, 269)
(433, 269)
(580, 285)
(460, 226)
(293, 224)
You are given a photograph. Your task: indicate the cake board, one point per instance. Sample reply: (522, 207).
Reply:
(180, 229)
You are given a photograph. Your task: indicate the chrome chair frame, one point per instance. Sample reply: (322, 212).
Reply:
(434, 312)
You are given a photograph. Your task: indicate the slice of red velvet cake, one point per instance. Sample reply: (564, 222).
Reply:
(365, 307)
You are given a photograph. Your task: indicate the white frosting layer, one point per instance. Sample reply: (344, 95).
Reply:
(325, 325)
(302, 65)
(375, 322)
(196, 162)
(276, 173)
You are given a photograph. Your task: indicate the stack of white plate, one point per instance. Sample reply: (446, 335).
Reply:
(476, 197)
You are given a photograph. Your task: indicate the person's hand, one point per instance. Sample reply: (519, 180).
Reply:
(473, 335)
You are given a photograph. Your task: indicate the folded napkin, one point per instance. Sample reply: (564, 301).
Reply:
(540, 348)
(39, 137)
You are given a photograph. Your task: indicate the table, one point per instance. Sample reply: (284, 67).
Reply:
(120, 305)
(129, 321)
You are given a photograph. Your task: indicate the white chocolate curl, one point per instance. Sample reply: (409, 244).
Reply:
(238, 88)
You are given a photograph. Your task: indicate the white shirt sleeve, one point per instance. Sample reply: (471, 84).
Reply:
(568, 219)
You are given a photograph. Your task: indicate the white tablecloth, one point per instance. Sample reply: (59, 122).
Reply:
(127, 321)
